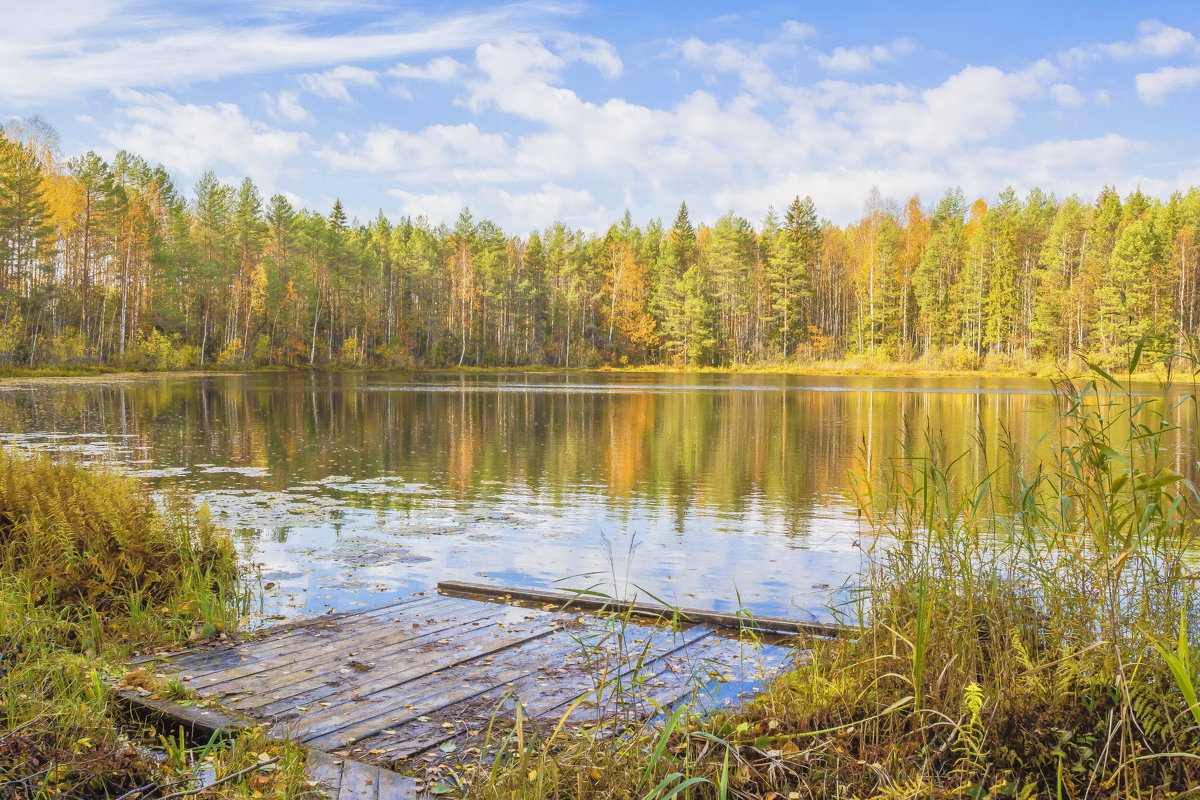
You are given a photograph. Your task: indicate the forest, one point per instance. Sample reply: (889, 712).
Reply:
(112, 263)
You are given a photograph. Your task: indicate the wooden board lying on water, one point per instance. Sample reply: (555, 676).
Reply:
(581, 600)
(416, 683)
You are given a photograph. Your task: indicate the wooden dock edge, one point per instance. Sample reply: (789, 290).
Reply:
(339, 778)
(591, 602)
(199, 723)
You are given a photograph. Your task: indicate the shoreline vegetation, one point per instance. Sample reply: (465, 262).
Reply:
(865, 367)
(93, 570)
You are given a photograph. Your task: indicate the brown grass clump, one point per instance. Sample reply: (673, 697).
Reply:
(92, 568)
(91, 538)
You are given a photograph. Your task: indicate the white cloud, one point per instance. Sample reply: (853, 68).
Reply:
(1155, 40)
(334, 84)
(750, 62)
(753, 62)
(857, 59)
(1066, 95)
(442, 70)
(62, 48)
(437, 153)
(286, 107)
(715, 153)
(975, 104)
(190, 138)
(1153, 87)
(534, 146)
(791, 29)
(436, 206)
(1062, 165)
(591, 50)
(550, 201)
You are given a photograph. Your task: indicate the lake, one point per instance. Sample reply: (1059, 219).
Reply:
(351, 488)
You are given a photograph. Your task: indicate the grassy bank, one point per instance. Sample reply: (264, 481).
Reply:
(1027, 638)
(92, 570)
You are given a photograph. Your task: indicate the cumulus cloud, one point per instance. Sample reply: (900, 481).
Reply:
(286, 107)
(550, 201)
(1154, 40)
(334, 84)
(1066, 95)
(437, 206)
(191, 138)
(857, 59)
(888, 135)
(1153, 87)
(974, 104)
(527, 126)
(791, 29)
(1060, 165)
(436, 153)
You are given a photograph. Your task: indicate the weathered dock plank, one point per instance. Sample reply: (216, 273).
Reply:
(581, 600)
(324, 770)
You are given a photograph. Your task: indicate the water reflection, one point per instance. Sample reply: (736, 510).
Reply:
(350, 488)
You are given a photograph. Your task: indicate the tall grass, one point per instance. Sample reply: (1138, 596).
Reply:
(92, 569)
(1025, 630)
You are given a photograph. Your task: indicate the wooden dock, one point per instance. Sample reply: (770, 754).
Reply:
(414, 686)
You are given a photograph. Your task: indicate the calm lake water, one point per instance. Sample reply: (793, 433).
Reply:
(349, 489)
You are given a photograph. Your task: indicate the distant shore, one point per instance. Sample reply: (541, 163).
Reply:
(847, 367)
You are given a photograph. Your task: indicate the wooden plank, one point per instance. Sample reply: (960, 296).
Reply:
(359, 781)
(416, 659)
(280, 635)
(315, 667)
(393, 708)
(395, 690)
(565, 600)
(198, 722)
(556, 692)
(316, 633)
(318, 649)
(396, 787)
(310, 685)
(325, 770)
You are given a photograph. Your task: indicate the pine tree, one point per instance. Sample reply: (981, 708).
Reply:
(26, 232)
(789, 262)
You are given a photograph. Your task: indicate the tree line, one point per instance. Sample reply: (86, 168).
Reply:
(111, 263)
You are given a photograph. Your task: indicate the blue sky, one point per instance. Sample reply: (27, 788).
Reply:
(535, 111)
